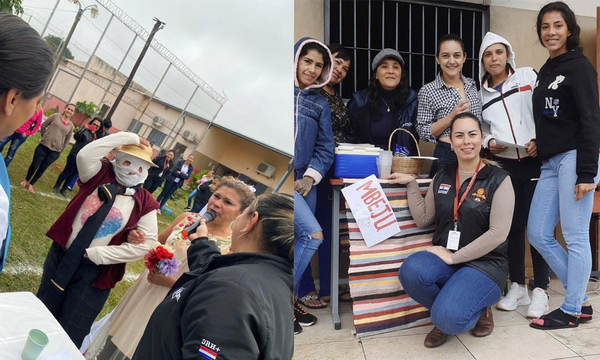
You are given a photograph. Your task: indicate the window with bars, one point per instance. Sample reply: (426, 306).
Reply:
(412, 27)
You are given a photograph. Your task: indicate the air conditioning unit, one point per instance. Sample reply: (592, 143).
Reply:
(157, 121)
(265, 169)
(188, 135)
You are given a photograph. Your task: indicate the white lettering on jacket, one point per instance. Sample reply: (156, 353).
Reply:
(554, 85)
(552, 103)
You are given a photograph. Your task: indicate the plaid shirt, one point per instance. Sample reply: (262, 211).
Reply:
(436, 100)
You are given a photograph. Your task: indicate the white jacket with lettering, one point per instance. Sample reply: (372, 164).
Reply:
(507, 112)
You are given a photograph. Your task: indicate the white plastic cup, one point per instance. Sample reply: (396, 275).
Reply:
(385, 154)
(384, 167)
(36, 342)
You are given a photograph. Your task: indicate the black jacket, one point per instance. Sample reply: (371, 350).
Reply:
(238, 306)
(160, 172)
(361, 119)
(473, 217)
(173, 174)
(82, 137)
(566, 113)
(204, 193)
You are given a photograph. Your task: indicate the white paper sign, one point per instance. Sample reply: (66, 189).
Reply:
(372, 210)
(510, 145)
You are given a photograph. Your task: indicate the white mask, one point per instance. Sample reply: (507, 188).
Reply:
(130, 176)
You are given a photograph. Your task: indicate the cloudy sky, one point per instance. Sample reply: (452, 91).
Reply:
(242, 49)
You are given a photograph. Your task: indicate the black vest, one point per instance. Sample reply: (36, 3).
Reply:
(473, 216)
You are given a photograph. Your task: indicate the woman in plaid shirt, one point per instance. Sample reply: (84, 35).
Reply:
(450, 94)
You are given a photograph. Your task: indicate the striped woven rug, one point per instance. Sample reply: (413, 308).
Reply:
(379, 302)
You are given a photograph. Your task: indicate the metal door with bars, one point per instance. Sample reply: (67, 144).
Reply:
(411, 27)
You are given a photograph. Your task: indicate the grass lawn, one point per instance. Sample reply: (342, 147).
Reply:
(33, 214)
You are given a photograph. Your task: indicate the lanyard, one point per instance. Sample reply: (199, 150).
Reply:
(457, 204)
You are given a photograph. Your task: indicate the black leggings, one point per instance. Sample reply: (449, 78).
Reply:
(42, 158)
(521, 173)
(65, 178)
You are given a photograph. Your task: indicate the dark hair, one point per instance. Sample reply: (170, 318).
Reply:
(568, 16)
(107, 123)
(318, 48)
(401, 93)
(465, 115)
(342, 52)
(25, 60)
(70, 104)
(276, 217)
(449, 37)
(96, 119)
(507, 69)
(171, 150)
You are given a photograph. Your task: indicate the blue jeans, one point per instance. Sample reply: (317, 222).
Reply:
(16, 141)
(191, 197)
(323, 216)
(554, 199)
(454, 294)
(305, 224)
(445, 156)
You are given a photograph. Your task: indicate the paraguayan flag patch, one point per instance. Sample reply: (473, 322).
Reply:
(208, 350)
(443, 189)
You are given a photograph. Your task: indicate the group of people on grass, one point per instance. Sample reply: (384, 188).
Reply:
(540, 136)
(212, 303)
(57, 132)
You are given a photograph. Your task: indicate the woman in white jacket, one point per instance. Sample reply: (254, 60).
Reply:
(510, 136)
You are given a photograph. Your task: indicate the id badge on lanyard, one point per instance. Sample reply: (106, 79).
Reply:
(454, 235)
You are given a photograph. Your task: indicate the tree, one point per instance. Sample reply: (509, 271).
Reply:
(86, 108)
(11, 6)
(54, 42)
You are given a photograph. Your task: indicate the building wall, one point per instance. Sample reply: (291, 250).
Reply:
(518, 27)
(243, 156)
(217, 147)
(309, 19)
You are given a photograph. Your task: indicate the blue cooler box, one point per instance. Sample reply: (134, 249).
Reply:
(355, 161)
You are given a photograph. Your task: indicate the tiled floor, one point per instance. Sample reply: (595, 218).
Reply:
(512, 338)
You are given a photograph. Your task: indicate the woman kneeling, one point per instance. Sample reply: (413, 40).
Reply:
(463, 274)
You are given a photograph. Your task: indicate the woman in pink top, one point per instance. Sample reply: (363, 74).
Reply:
(21, 134)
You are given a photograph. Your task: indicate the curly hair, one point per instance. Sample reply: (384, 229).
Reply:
(242, 189)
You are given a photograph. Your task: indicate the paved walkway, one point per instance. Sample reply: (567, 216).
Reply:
(512, 338)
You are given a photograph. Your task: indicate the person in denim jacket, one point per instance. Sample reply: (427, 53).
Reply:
(313, 153)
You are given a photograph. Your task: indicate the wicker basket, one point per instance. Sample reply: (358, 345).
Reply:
(406, 164)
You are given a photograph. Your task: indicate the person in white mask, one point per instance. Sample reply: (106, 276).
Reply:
(89, 249)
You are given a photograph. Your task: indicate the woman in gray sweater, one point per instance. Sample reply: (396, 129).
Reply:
(56, 132)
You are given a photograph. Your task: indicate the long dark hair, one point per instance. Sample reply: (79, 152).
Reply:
(25, 59)
(573, 42)
(401, 93)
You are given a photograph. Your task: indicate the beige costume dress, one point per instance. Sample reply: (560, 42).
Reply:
(128, 321)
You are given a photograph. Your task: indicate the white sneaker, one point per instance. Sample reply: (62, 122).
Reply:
(539, 303)
(517, 296)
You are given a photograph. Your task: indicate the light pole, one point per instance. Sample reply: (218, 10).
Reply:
(94, 12)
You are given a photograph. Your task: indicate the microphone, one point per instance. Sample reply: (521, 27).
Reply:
(209, 216)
